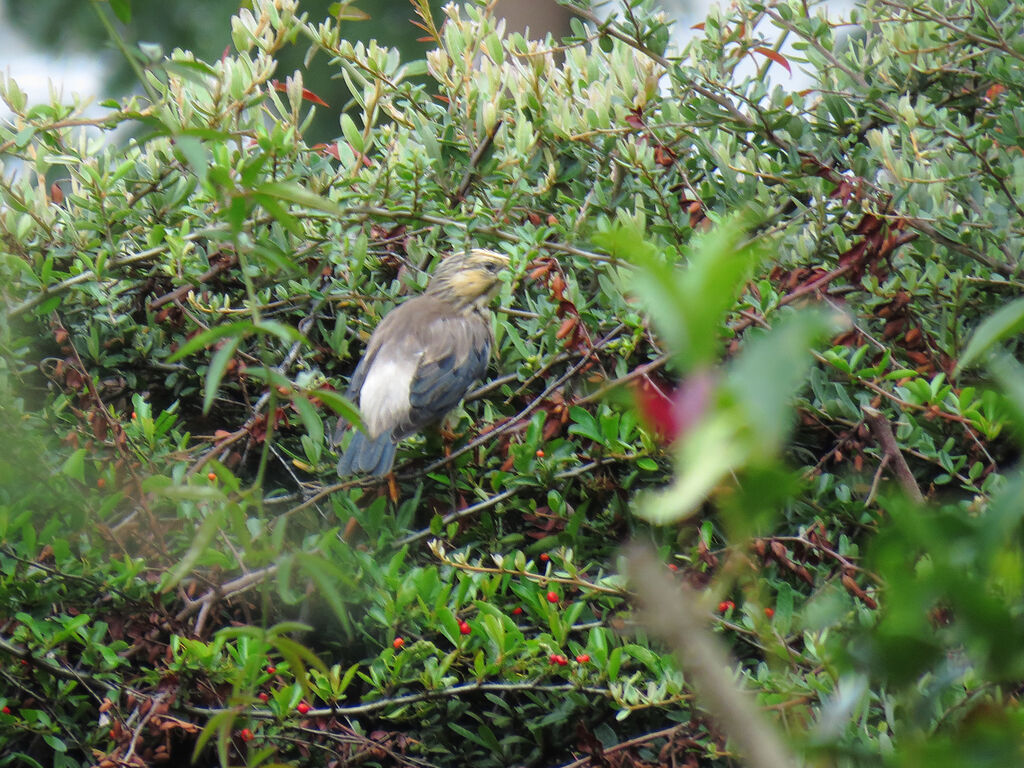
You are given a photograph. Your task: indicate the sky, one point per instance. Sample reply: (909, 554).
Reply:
(34, 71)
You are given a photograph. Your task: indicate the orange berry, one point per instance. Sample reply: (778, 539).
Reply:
(769, 612)
(397, 643)
(544, 557)
(101, 483)
(540, 454)
(211, 476)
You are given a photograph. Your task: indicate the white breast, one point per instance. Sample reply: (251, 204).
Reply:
(384, 397)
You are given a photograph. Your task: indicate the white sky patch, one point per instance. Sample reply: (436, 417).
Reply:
(687, 13)
(36, 72)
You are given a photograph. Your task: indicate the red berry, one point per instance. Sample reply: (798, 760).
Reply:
(732, 605)
(540, 454)
(464, 628)
(135, 415)
(544, 557)
(271, 670)
(6, 710)
(552, 596)
(398, 642)
(769, 612)
(246, 735)
(302, 707)
(553, 658)
(673, 567)
(517, 610)
(101, 483)
(723, 606)
(263, 697)
(583, 658)
(561, 660)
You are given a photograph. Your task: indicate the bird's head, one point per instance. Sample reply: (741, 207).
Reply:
(468, 278)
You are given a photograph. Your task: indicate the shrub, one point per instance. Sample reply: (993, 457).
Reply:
(180, 570)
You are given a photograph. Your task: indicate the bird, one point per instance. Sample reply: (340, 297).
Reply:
(422, 359)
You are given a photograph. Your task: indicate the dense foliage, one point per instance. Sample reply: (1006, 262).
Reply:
(770, 334)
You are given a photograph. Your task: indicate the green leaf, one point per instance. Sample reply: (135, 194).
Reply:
(768, 374)
(218, 364)
(284, 332)
(1010, 375)
(207, 337)
(585, 424)
(310, 418)
(327, 578)
(194, 153)
(340, 404)
(351, 133)
(203, 536)
(1004, 322)
(709, 453)
(74, 465)
(687, 303)
(783, 619)
(293, 193)
(220, 724)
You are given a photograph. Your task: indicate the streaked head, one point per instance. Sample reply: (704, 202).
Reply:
(468, 277)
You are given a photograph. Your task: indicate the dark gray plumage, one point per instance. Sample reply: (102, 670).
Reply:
(422, 359)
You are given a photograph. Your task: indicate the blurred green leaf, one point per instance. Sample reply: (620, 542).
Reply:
(1004, 322)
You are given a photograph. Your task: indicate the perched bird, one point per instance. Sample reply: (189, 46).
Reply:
(422, 359)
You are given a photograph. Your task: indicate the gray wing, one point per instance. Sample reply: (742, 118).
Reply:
(457, 347)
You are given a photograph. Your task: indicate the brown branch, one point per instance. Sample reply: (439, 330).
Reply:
(233, 587)
(474, 161)
(180, 292)
(882, 431)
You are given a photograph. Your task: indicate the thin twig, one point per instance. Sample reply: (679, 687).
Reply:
(455, 691)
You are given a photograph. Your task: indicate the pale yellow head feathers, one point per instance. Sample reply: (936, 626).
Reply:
(468, 278)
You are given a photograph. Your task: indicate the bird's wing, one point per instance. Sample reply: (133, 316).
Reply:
(455, 356)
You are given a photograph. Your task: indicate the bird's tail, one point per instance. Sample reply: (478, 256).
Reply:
(364, 454)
